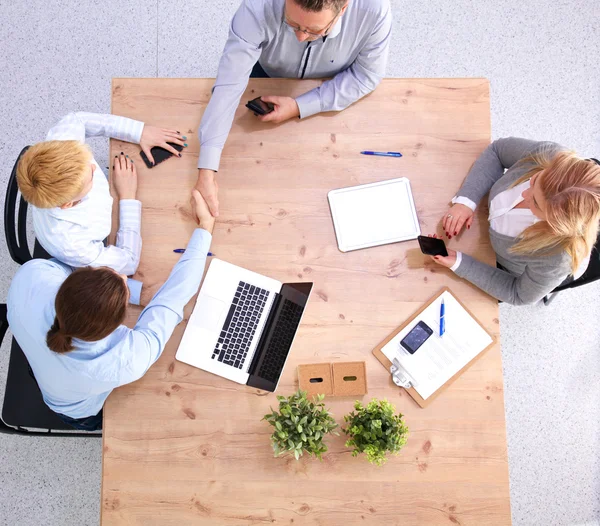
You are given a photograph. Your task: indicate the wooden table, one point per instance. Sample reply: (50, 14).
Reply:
(182, 446)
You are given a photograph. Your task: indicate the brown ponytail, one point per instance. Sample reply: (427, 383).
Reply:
(57, 340)
(90, 304)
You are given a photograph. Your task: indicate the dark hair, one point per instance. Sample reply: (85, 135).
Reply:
(317, 6)
(90, 304)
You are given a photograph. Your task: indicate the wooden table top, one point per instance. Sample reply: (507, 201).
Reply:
(182, 446)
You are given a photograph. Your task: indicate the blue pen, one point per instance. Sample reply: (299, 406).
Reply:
(182, 250)
(382, 154)
(442, 318)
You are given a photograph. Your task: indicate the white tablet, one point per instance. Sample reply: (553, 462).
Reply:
(373, 214)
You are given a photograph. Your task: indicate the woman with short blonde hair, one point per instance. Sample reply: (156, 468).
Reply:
(544, 213)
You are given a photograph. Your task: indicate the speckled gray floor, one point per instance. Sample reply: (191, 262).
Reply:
(542, 60)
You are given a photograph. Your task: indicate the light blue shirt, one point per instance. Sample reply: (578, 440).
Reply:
(77, 383)
(354, 53)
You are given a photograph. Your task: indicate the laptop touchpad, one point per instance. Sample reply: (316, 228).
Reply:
(211, 311)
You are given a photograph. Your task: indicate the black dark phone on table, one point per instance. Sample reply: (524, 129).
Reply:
(432, 246)
(160, 154)
(416, 337)
(258, 106)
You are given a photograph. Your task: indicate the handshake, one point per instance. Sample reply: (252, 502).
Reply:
(125, 185)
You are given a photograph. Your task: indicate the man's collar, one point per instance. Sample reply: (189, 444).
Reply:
(335, 30)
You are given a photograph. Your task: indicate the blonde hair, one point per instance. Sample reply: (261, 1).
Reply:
(52, 173)
(571, 187)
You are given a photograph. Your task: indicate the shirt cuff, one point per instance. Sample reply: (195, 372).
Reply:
(454, 267)
(309, 103)
(210, 157)
(135, 291)
(130, 214)
(199, 243)
(461, 200)
(132, 130)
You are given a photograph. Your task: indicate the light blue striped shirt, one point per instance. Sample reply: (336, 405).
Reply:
(77, 383)
(355, 54)
(75, 235)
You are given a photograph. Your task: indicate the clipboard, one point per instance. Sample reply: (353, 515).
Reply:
(377, 351)
(388, 214)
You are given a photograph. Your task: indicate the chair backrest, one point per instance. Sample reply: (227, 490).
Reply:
(592, 272)
(15, 226)
(24, 411)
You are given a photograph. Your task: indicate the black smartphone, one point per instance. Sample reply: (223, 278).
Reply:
(432, 246)
(159, 154)
(258, 106)
(416, 337)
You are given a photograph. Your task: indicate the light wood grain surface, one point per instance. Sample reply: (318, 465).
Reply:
(182, 446)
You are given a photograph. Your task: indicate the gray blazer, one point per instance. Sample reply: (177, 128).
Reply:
(529, 277)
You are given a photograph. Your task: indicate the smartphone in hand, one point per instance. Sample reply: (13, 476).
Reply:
(258, 106)
(159, 154)
(432, 246)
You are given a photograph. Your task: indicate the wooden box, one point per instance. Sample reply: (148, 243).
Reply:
(333, 379)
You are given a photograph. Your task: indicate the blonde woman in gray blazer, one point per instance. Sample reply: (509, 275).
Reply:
(544, 204)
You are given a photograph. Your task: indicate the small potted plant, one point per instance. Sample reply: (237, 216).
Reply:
(375, 430)
(300, 425)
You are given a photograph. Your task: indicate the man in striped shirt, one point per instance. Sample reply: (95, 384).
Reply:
(69, 194)
(346, 41)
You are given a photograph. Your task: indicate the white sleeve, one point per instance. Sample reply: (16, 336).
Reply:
(458, 262)
(124, 257)
(460, 200)
(78, 126)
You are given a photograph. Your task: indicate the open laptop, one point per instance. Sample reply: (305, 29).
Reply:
(243, 325)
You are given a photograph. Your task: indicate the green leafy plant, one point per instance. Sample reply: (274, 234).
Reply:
(300, 425)
(375, 430)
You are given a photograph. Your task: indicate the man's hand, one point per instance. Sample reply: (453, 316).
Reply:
(208, 187)
(124, 177)
(153, 136)
(285, 108)
(201, 212)
(457, 217)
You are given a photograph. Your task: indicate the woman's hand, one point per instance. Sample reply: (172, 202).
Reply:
(457, 217)
(153, 136)
(445, 261)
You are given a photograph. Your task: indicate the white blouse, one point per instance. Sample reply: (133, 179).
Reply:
(504, 218)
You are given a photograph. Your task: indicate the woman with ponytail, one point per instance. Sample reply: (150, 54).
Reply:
(89, 305)
(544, 213)
(69, 325)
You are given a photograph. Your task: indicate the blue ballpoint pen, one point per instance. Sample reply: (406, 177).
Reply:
(382, 154)
(182, 250)
(442, 318)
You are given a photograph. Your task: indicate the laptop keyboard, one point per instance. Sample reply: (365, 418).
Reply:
(240, 325)
(281, 341)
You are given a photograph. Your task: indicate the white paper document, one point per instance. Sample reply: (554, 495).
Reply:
(374, 214)
(439, 358)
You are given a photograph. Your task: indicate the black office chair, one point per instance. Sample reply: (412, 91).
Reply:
(24, 411)
(591, 274)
